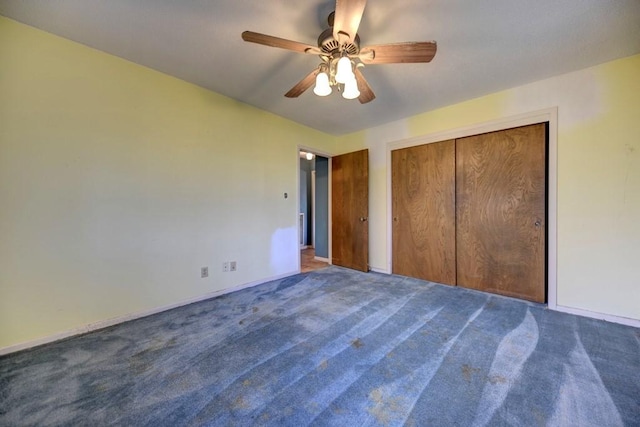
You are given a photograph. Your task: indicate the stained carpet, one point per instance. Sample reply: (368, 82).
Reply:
(338, 348)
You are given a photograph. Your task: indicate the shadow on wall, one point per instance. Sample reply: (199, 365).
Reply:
(285, 251)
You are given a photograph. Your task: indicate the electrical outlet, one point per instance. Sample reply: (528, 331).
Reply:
(225, 266)
(232, 266)
(204, 272)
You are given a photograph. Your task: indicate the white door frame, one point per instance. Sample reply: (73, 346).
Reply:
(549, 115)
(313, 209)
(297, 207)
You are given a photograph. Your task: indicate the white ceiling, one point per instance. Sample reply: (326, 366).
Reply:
(483, 46)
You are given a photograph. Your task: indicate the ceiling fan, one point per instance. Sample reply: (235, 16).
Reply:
(341, 54)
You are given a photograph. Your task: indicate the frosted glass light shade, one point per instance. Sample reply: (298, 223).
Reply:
(343, 70)
(351, 89)
(322, 87)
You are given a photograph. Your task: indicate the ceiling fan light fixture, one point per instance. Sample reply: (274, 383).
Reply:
(351, 89)
(339, 49)
(344, 72)
(322, 88)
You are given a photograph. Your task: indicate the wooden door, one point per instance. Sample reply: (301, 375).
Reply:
(350, 210)
(500, 215)
(423, 209)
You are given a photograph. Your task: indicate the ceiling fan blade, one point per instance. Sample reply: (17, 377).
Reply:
(250, 36)
(302, 85)
(347, 19)
(366, 94)
(393, 53)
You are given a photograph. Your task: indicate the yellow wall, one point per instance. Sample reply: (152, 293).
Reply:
(117, 183)
(598, 238)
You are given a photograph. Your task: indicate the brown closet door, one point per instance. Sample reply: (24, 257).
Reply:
(350, 210)
(500, 215)
(423, 192)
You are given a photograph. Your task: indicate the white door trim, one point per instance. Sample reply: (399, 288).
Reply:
(297, 206)
(313, 208)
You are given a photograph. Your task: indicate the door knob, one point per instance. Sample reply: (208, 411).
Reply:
(362, 219)
(538, 223)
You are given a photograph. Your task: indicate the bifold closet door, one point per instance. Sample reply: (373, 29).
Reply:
(423, 209)
(500, 212)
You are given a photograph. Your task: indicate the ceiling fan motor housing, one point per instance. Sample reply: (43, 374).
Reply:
(330, 46)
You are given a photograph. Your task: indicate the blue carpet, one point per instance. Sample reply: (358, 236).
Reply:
(339, 348)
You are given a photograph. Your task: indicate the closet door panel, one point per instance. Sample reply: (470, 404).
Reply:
(500, 213)
(423, 209)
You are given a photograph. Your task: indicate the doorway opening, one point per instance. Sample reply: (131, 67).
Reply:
(313, 210)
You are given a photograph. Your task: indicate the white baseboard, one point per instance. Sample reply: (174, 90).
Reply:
(601, 316)
(132, 316)
(319, 258)
(578, 312)
(121, 319)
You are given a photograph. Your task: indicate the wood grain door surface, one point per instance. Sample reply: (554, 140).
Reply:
(500, 212)
(350, 210)
(423, 210)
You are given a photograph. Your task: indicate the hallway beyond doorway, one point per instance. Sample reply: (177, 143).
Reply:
(308, 262)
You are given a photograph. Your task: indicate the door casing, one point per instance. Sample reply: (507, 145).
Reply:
(549, 115)
(297, 198)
